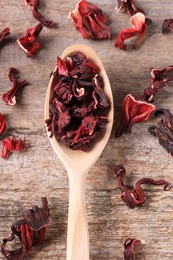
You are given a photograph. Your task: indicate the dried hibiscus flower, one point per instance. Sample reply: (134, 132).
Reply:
(29, 43)
(167, 26)
(30, 230)
(134, 197)
(4, 33)
(128, 6)
(135, 110)
(34, 5)
(90, 21)
(129, 245)
(77, 110)
(138, 29)
(2, 124)
(164, 130)
(10, 96)
(10, 144)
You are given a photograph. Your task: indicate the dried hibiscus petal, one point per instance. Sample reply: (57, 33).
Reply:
(2, 124)
(4, 33)
(78, 106)
(135, 110)
(134, 197)
(29, 43)
(90, 21)
(10, 96)
(167, 26)
(164, 130)
(34, 5)
(128, 6)
(30, 230)
(10, 144)
(138, 29)
(129, 245)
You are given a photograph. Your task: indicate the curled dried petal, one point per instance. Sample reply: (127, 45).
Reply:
(129, 245)
(10, 144)
(30, 230)
(128, 6)
(167, 26)
(29, 43)
(135, 110)
(134, 197)
(90, 21)
(4, 33)
(34, 5)
(164, 130)
(2, 124)
(10, 96)
(138, 29)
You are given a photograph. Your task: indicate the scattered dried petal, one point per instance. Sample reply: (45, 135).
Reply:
(135, 110)
(10, 96)
(2, 124)
(159, 78)
(138, 29)
(34, 5)
(4, 33)
(10, 144)
(90, 21)
(129, 245)
(167, 26)
(134, 197)
(128, 6)
(164, 130)
(75, 112)
(29, 43)
(30, 230)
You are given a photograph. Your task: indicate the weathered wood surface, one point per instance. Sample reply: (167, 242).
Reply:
(36, 172)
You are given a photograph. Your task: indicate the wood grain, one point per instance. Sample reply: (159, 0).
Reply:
(36, 172)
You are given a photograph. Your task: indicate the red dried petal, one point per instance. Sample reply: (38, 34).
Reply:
(90, 21)
(29, 43)
(139, 29)
(134, 197)
(34, 5)
(167, 26)
(10, 144)
(30, 230)
(129, 245)
(128, 6)
(135, 110)
(9, 97)
(4, 33)
(62, 67)
(2, 124)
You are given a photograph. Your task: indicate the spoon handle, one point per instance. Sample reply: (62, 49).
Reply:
(77, 233)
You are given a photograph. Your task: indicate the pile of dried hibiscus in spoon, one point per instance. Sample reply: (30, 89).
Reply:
(78, 107)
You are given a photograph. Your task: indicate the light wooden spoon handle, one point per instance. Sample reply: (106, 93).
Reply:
(77, 233)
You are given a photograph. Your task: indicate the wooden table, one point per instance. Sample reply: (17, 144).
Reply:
(36, 172)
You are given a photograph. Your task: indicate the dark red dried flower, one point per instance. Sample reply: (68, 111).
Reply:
(135, 110)
(29, 43)
(159, 78)
(164, 130)
(34, 5)
(4, 33)
(90, 21)
(75, 112)
(30, 230)
(10, 144)
(2, 124)
(128, 6)
(138, 29)
(129, 245)
(167, 26)
(10, 96)
(134, 197)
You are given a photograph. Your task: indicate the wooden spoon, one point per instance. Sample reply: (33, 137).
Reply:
(78, 163)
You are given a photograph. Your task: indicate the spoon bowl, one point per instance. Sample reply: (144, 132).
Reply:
(78, 163)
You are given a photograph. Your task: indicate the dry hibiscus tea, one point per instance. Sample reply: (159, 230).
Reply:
(77, 113)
